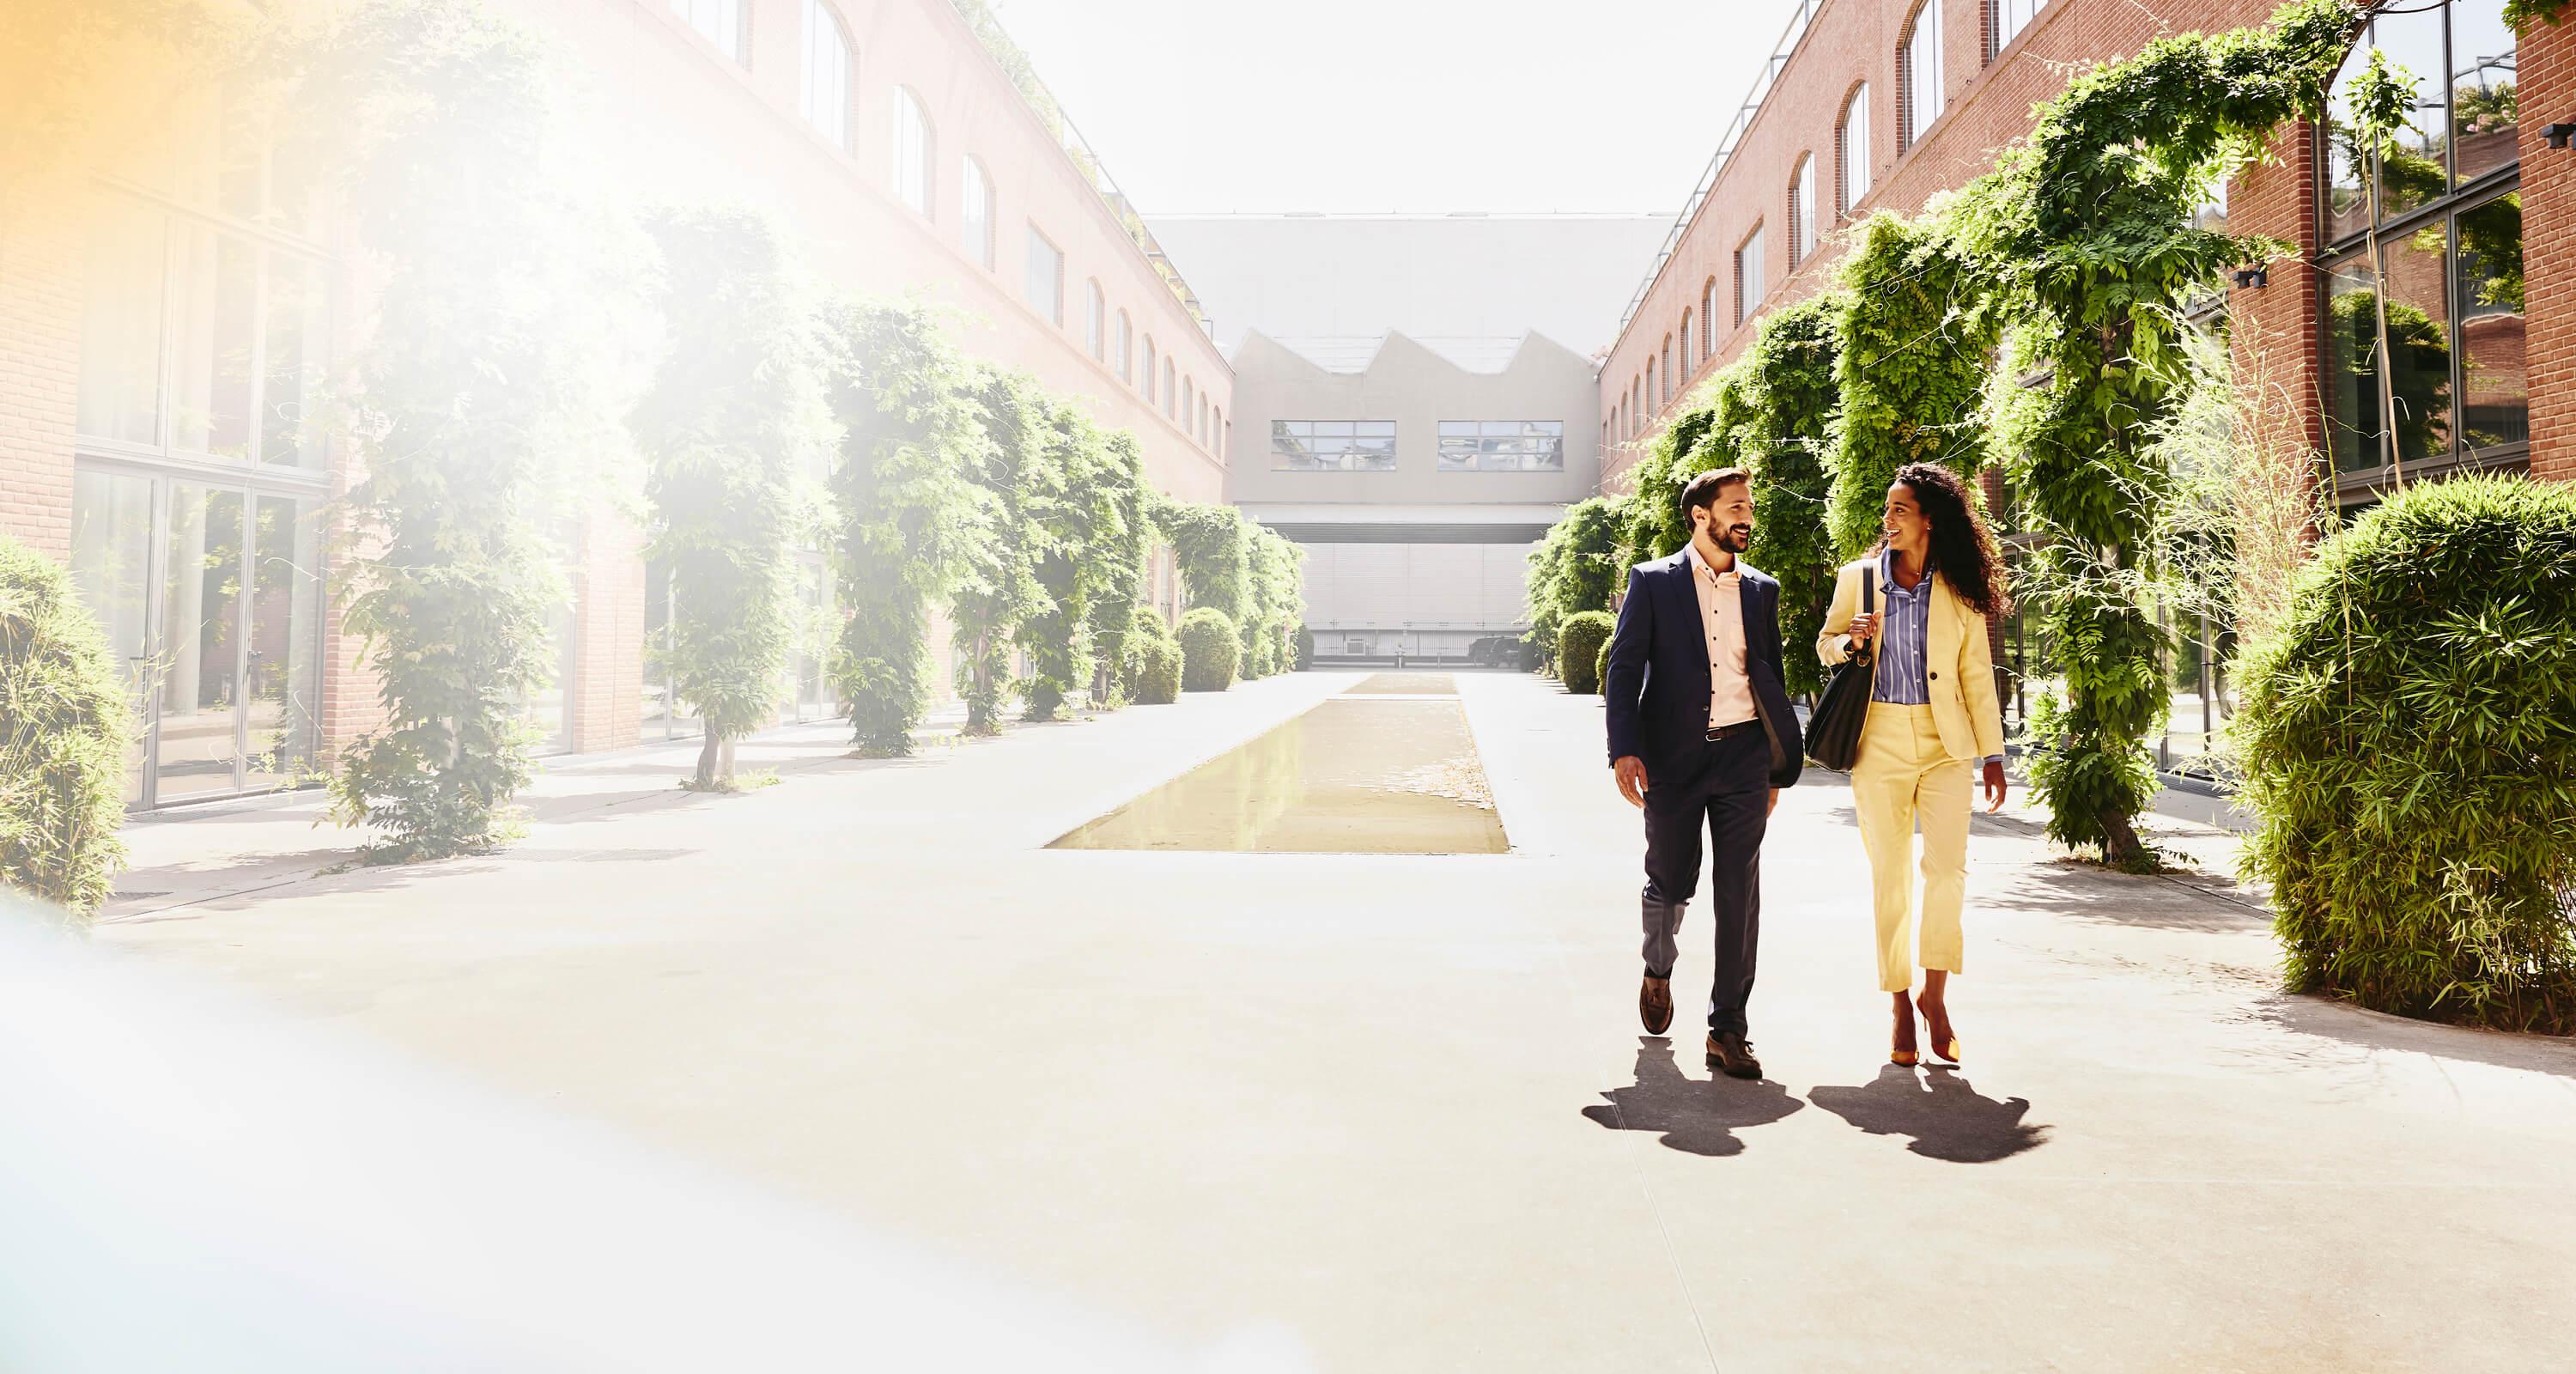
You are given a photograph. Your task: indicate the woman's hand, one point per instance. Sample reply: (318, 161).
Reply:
(1994, 785)
(1862, 627)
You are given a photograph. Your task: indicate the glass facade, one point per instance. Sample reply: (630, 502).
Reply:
(1332, 445)
(2451, 386)
(1502, 446)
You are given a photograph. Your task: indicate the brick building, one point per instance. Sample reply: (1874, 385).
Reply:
(1884, 103)
(166, 325)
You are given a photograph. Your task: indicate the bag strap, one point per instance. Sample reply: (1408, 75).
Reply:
(1868, 603)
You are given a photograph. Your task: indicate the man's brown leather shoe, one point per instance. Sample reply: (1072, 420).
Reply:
(1655, 1005)
(1734, 1054)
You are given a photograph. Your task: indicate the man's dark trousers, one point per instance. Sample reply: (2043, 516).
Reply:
(1726, 785)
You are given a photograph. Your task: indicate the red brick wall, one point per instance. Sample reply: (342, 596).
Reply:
(1851, 41)
(607, 686)
(2547, 62)
(40, 306)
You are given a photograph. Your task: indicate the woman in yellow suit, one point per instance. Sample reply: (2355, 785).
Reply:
(1933, 720)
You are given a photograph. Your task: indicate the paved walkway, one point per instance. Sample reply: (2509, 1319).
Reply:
(1401, 1105)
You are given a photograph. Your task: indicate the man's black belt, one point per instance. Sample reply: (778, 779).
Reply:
(1719, 732)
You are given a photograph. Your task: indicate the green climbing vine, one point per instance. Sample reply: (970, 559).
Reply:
(1914, 343)
(1791, 401)
(997, 587)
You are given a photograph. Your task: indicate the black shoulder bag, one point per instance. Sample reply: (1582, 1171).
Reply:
(1833, 733)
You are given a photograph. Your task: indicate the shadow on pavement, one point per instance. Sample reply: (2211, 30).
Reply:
(1947, 1118)
(2374, 1031)
(1696, 1116)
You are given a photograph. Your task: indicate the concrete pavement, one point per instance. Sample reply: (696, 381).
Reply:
(1401, 1105)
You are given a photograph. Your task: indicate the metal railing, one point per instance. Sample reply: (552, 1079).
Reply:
(1726, 145)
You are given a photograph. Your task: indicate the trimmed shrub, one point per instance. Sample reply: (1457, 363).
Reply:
(2407, 738)
(1583, 645)
(1210, 649)
(1145, 629)
(1305, 648)
(1601, 667)
(64, 727)
(1157, 680)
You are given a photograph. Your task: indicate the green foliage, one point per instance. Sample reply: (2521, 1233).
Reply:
(2420, 353)
(1584, 642)
(2409, 740)
(1790, 400)
(1210, 649)
(2522, 14)
(2081, 243)
(65, 727)
(1278, 603)
(1156, 679)
(734, 414)
(1913, 346)
(1145, 629)
(478, 389)
(1574, 569)
(911, 515)
(1213, 545)
(1070, 517)
(1119, 552)
(997, 589)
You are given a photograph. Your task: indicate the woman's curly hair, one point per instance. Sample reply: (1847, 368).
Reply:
(1963, 549)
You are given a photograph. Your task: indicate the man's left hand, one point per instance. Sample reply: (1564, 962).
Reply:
(1994, 785)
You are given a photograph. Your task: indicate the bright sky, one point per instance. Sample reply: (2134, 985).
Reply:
(1426, 106)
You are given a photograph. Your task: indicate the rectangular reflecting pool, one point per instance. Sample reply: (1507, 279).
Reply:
(1351, 776)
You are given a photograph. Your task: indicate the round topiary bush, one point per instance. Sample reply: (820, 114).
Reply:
(1305, 648)
(1582, 644)
(1158, 673)
(64, 727)
(1145, 628)
(1210, 650)
(2408, 738)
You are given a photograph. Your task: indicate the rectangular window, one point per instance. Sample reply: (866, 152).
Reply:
(2011, 17)
(1332, 445)
(1044, 288)
(1802, 212)
(1502, 446)
(120, 353)
(1748, 276)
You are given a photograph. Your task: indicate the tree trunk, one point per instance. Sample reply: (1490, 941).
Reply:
(2121, 847)
(708, 753)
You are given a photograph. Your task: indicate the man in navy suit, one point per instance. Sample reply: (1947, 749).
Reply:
(1701, 733)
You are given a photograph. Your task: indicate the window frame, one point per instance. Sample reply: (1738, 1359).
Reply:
(1749, 293)
(1479, 450)
(912, 115)
(1909, 94)
(978, 204)
(1052, 310)
(846, 138)
(1847, 198)
(1314, 431)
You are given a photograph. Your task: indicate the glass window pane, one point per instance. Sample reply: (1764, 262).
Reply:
(284, 620)
(2346, 198)
(1856, 155)
(2419, 169)
(217, 289)
(120, 343)
(2352, 402)
(2419, 341)
(111, 558)
(826, 90)
(2495, 407)
(2484, 108)
(200, 667)
(291, 390)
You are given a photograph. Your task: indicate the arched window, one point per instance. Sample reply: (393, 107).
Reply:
(1851, 149)
(977, 232)
(1918, 75)
(1126, 349)
(1669, 383)
(1216, 431)
(1171, 388)
(916, 148)
(1205, 434)
(1802, 210)
(1708, 320)
(2005, 19)
(1636, 408)
(1149, 369)
(717, 21)
(1748, 276)
(825, 96)
(1688, 357)
(1095, 321)
(1189, 399)
(1650, 380)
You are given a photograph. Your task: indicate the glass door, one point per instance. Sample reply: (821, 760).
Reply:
(197, 744)
(112, 524)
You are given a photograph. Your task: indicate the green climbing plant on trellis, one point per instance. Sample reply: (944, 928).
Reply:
(1914, 342)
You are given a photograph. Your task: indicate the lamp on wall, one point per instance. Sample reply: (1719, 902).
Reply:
(2559, 134)
(2254, 277)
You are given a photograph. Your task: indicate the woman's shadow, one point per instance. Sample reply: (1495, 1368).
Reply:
(1946, 1117)
(1695, 1116)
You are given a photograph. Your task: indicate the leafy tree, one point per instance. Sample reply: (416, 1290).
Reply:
(1118, 557)
(2082, 242)
(1278, 603)
(1145, 629)
(479, 387)
(733, 415)
(65, 728)
(910, 514)
(1071, 516)
(1589, 574)
(1213, 544)
(1913, 342)
(997, 590)
(1792, 403)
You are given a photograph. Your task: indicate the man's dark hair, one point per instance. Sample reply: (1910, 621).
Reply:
(1703, 489)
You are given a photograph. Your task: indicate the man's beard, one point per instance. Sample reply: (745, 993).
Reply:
(1732, 538)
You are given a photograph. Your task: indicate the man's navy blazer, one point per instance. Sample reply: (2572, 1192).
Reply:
(1657, 684)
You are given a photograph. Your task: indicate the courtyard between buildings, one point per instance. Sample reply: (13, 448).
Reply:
(1398, 1104)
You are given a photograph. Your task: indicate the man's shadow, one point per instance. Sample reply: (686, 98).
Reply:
(1696, 1116)
(1946, 1117)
